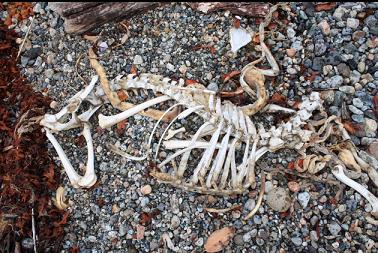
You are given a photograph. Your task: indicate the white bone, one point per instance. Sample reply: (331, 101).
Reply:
(373, 200)
(89, 178)
(172, 133)
(108, 121)
(227, 164)
(218, 162)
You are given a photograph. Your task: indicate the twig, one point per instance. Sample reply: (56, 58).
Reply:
(34, 234)
(26, 35)
(76, 69)
(224, 210)
(259, 200)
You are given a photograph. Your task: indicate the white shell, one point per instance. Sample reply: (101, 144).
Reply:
(239, 37)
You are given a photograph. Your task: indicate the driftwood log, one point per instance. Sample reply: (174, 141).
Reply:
(81, 17)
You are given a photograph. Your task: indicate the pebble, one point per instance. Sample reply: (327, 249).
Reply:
(358, 103)
(343, 69)
(297, 241)
(291, 52)
(334, 228)
(324, 27)
(175, 222)
(335, 81)
(358, 118)
(49, 73)
(278, 199)
(293, 186)
(339, 13)
(170, 67)
(303, 199)
(146, 189)
(347, 89)
(138, 60)
(373, 149)
(353, 23)
(353, 109)
(355, 76)
(370, 126)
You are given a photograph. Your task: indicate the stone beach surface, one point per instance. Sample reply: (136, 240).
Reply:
(331, 51)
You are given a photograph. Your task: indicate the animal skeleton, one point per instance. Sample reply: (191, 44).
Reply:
(228, 128)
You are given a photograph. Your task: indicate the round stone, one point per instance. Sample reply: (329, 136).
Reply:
(278, 199)
(145, 190)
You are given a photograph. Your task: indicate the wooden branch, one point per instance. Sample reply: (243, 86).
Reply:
(248, 9)
(81, 17)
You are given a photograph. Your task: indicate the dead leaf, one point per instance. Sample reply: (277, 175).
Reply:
(353, 128)
(91, 38)
(190, 82)
(219, 239)
(278, 99)
(122, 95)
(325, 6)
(121, 126)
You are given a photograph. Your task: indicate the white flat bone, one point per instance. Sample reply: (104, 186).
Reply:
(108, 121)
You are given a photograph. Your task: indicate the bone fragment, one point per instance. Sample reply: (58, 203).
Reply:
(373, 200)
(260, 198)
(59, 200)
(172, 133)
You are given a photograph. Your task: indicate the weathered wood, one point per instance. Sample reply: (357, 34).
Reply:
(81, 17)
(248, 9)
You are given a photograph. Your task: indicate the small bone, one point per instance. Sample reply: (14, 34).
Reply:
(373, 200)
(59, 200)
(172, 133)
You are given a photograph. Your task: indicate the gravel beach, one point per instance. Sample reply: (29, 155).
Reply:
(331, 51)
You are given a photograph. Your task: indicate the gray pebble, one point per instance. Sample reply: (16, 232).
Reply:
(358, 118)
(303, 199)
(297, 241)
(353, 109)
(334, 228)
(347, 89)
(138, 59)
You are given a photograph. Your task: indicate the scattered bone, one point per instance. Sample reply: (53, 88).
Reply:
(339, 174)
(259, 200)
(239, 37)
(224, 210)
(172, 133)
(169, 243)
(59, 200)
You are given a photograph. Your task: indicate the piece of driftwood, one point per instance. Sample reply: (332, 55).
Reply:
(248, 9)
(81, 17)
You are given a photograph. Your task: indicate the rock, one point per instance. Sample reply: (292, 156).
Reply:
(352, 63)
(183, 69)
(358, 35)
(303, 199)
(33, 53)
(339, 13)
(328, 96)
(353, 23)
(278, 199)
(238, 239)
(49, 73)
(334, 228)
(333, 58)
(373, 149)
(335, 81)
(324, 27)
(297, 241)
(343, 69)
(314, 236)
(170, 67)
(213, 86)
(355, 76)
(358, 103)
(145, 190)
(291, 71)
(138, 59)
(250, 204)
(361, 67)
(347, 89)
(358, 118)
(353, 109)
(24, 61)
(175, 222)
(320, 47)
(291, 52)
(370, 127)
(317, 63)
(293, 186)
(335, 110)
(290, 33)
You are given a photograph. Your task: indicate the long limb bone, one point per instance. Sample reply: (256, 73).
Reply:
(339, 174)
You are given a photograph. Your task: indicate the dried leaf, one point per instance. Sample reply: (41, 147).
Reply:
(122, 95)
(219, 239)
(353, 128)
(121, 126)
(190, 82)
(325, 6)
(278, 99)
